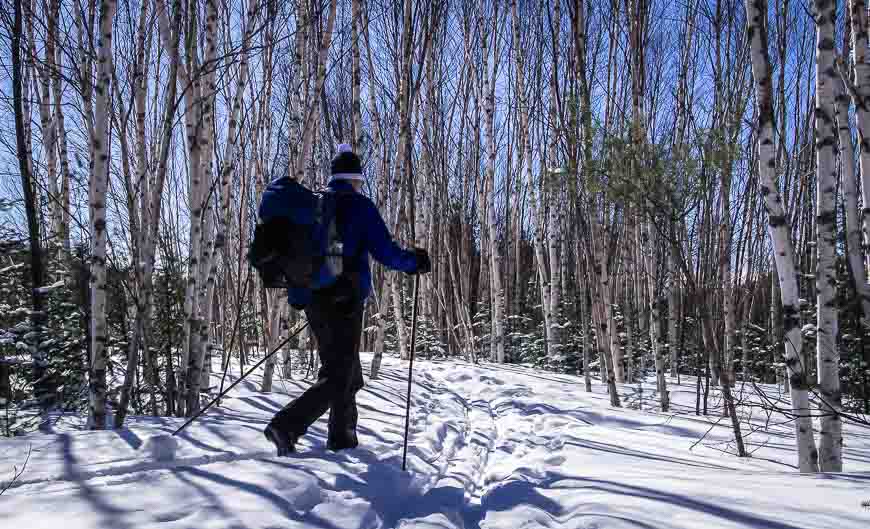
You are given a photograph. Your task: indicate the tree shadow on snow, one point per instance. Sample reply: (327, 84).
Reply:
(678, 500)
(549, 377)
(112, 516)
(396, 401)
(280, 503)
(392, 493)
(639, 454)
(130, 437)
(594, 418)
(853, 477)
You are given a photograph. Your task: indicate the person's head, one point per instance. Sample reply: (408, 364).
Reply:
(346, 166)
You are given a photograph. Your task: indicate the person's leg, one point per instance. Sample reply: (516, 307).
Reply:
(343, 412)
(358, 384)
(295, 418)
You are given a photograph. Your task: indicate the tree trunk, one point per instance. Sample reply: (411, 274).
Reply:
(37, 271)
(780, 233)
(828, 355)
(673, 312)
(492, 52)
(356, 108)
(553, 188)
(602, 305)
(861, 100)
(850, 183)
(586, 309)
(99, 179)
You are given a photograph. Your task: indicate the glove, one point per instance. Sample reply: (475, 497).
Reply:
(424, 264)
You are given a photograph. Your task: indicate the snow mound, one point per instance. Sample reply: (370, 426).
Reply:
(162, 447)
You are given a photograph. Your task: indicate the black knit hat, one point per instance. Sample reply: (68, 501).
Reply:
(346, 165)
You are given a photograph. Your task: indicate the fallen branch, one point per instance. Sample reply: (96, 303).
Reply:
(17, 473)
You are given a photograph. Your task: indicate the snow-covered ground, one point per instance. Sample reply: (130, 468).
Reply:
(491, 447)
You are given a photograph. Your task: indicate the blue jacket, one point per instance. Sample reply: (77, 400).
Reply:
(363, 232)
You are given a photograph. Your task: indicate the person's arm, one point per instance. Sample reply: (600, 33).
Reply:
(380, 243)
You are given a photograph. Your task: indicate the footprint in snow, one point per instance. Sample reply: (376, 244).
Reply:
(491, 380)
(173, 516)
(556, 443)
(508, 447)
(555, 461)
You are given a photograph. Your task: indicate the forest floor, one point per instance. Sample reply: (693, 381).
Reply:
(503, 447)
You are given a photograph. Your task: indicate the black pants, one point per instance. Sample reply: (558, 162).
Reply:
(337, 328)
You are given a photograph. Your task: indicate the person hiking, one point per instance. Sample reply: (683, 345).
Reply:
(335, 313)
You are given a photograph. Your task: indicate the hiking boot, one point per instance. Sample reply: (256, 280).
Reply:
(343, 443)
(285, 443)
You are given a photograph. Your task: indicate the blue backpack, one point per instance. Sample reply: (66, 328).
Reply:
(296, 242)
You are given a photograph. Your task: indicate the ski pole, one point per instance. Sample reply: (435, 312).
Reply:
(258, 364)
(411, 367)
(226, 366)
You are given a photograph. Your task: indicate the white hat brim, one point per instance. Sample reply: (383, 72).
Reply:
(348, 176)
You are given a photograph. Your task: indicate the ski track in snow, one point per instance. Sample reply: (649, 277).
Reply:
(491, 447)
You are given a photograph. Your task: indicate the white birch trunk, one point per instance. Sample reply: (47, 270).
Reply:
(849, 184)
(197, 114)
(780, 233)
(195, 196)
(403, 148)
(383, 292)
(141, 305)
(492, 50)
(200, 337)
(655, 334)
(554, 200)
(586, 324)
(544, 279)
(277, 302)
(861, 100)
(627, 316)
(313, 104)
(42, 98)
(97, 207)
(828, 355)
(673, 311)
(726, 374)
(356, 122)
(602, 305)
(202, 361)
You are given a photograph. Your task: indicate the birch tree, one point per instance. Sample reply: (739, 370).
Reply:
(780, 233)
(861, 99)
(492, 51)
(830, 436)
(99, 179)
(553, 187)
(195, 378)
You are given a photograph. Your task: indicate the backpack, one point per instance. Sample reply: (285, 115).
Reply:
(296, 242)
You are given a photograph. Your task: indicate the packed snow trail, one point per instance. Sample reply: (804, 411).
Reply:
(496, 447)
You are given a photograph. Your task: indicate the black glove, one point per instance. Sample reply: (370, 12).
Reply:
(424, 264)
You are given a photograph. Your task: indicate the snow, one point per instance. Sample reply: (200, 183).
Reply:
(49, 288)
(497, 447)
(162, 447)
(7, 269)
